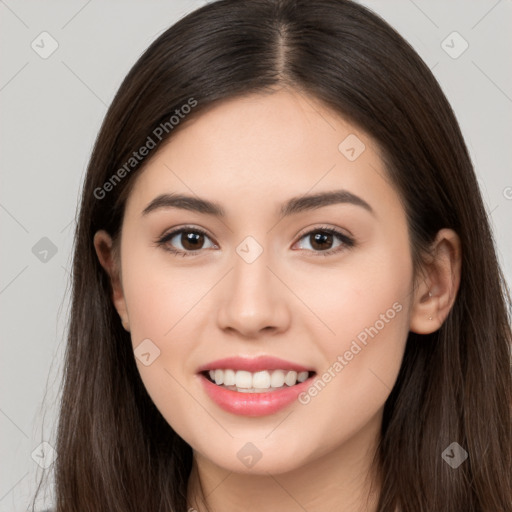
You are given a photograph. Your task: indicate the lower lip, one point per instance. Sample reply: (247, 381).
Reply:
(253, 404)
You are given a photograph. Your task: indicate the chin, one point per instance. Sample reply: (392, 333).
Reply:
(258, 457)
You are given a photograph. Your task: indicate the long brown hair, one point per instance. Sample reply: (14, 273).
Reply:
(116, 452)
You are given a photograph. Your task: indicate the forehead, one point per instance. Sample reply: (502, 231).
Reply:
(265, 146)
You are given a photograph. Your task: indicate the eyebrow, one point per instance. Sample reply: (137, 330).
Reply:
(292, 206)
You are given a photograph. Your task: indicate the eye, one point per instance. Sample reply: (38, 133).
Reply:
(191, 240)
(322, 241)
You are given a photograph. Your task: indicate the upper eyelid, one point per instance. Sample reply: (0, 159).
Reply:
(173, 232)
(338, 230)
(176, 231)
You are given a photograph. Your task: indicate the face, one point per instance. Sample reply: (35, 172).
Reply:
(323, 285)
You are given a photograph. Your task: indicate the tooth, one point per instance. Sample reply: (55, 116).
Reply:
(277, 379)
(291, 378)
(261, 380)
(219, 376)
(243, 379)
(301, 377)
(258, 382)
(229, 378)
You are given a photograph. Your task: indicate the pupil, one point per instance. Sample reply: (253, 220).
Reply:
(193, 239)
(322, 238)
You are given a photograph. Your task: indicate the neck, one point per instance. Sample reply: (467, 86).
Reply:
(341, 480)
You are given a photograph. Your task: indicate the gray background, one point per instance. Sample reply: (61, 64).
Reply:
(51, 110)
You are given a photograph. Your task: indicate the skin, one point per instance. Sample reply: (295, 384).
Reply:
(250, 155)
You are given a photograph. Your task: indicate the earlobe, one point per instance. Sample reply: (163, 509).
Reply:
(108, 259)
(435, 293)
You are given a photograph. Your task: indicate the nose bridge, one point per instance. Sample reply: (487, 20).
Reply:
(253, 300)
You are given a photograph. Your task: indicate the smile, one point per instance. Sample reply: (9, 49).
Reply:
(256, 382)
(254, 386)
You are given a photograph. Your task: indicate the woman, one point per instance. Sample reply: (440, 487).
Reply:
(334, 333)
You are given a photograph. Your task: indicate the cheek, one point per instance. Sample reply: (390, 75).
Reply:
(367, 291)
(368, 310)
(159, 297)
(165, 312)
(359, 375)
(159, 308)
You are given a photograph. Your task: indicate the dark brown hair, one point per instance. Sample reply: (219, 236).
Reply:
(116, 452)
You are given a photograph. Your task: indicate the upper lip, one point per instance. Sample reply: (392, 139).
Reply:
(254, 364)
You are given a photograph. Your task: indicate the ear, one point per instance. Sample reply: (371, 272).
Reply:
(110, 261)
(437, 284)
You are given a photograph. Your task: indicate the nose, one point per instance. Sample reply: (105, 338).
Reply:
(253, 300)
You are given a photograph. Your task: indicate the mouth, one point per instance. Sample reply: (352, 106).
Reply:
(254, 386)
(265, 381)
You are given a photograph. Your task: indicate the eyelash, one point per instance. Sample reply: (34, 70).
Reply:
(347, 242)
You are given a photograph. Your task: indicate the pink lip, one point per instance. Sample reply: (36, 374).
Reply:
(253, 404)
(256, 364)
